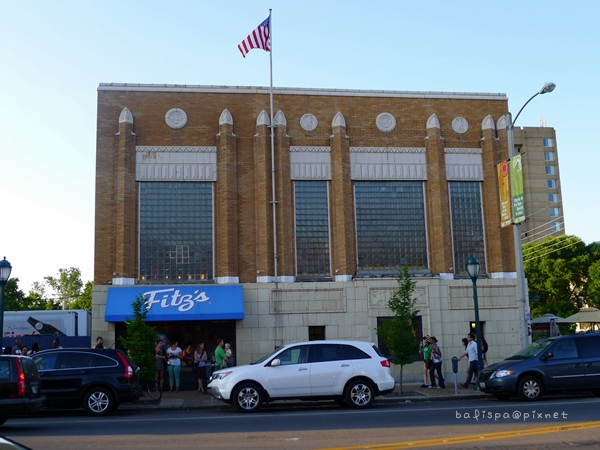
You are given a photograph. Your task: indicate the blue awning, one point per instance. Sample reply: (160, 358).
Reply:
(173, 303)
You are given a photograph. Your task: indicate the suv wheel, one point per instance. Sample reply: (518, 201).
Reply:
(248, 397)
(359, 394)
(530, 388)
(99, 401)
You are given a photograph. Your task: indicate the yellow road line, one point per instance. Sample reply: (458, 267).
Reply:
(474, 438)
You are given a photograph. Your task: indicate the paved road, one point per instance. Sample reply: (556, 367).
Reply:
(551, 423)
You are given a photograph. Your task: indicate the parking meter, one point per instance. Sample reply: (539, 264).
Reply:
(455, 370)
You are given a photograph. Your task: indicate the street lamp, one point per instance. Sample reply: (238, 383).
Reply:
(473, 270)
(523, 302)
(5, 269)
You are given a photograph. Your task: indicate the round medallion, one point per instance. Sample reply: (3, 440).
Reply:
(308, 122)
(176, 118)
(385, 122)
(460, 125)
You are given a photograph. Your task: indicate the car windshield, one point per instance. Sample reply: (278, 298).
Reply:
(264, 358)
(533, 350)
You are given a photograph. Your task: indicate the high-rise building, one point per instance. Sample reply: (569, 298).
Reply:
(541, 180)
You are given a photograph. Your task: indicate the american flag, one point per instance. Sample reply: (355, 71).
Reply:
(259, 38)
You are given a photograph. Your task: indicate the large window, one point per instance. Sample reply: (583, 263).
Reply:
(552, 198)
(548, 142)
(312, 229)
(390, 227)
(550, 170)
(548, 156)
(467, 224)
(176, 232)
(554, 212)
(551, 184)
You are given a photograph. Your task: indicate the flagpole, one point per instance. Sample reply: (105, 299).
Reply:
(274, 201)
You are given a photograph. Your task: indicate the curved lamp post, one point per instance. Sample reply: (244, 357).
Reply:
(522, 294)
(5, 269)
(472, 266)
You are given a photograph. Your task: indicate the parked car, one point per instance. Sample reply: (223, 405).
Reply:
(555, 364)
(95, 379)
(349, 372)
(19, 387)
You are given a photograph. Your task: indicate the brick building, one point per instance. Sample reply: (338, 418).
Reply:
(365, 182)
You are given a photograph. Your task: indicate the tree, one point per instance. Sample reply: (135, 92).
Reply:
(16, 300)
(399, 334)
(67, 286)
(85, 300)
(140, 340)
(559, 276)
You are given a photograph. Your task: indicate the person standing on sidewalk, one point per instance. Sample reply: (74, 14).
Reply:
(436, 365)
(174, 361)
(220, 355)
(471, 353)
(426, 354)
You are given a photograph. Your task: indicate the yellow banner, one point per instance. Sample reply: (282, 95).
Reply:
(504, 192)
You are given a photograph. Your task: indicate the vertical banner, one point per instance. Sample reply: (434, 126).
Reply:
(516, 184)
(504, 193)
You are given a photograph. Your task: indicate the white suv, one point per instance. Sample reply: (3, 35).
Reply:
(349, 372)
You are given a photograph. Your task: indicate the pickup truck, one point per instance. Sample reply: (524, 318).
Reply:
(19, 387)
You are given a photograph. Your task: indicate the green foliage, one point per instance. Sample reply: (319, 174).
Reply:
(16, 300)
(67, 286)
(399, 334)
(140, 340)
(85, 300)
(561, 271)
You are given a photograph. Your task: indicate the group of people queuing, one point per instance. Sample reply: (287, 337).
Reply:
(173, 358)
(432, 363)
(20, 349)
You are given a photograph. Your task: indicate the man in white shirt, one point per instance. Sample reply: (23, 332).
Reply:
(471, 353)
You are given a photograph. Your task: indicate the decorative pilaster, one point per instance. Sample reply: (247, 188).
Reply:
(438, 202)
(226, 204)
(286, 269)
(343, 228)
(126, 266)
(263, 215)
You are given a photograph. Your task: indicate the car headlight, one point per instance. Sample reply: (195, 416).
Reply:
(220, 375)
(503, 373)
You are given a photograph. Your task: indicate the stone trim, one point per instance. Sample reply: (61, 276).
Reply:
(176, 163)
(310, 163)
(383, 163)
(463, 164)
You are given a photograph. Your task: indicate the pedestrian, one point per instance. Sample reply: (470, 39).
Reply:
(174, 366)
(425, 352)
(471, 354)
(220, 355)
(56, 343)
(436, 365)
(99, 342)
(35, 347)
(200, 358)
(24, 351)
(229, 355)
(16, 350)
(161, 359)
(465, 342)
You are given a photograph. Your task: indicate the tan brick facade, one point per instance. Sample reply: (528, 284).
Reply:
(243, 190)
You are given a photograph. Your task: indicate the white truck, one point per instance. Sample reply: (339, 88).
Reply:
(70, 322)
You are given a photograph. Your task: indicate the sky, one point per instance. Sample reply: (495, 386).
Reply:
(55, 54)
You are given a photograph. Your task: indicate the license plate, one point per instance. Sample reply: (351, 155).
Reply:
(34, 389)
(482, 385)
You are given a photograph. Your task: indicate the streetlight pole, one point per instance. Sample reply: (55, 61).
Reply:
(473, 271)
(522, 300)
(5, 269)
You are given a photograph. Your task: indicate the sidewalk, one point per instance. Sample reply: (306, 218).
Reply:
(192, 399)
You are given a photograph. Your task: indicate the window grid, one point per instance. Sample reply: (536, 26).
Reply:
(467, 224)
(548, 156)
(554, 212)
(390, 226)
(176, 232)
(550, 170)
(555, 226)
(548, 142)
(312, 229)
(552, 198)
(551, 184)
